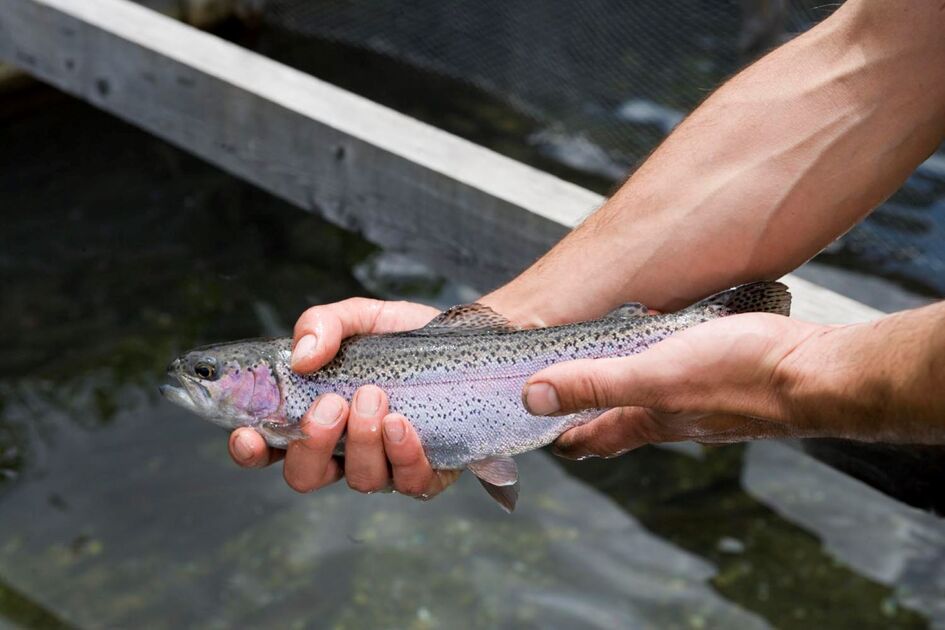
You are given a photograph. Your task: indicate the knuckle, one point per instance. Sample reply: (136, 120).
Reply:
(362, 310)
(596, 390)
(313, 447)
(359, 303)
(612, 434)
(667, 401)
(625, 438)
(258, 460)
(302, 486)
(648, 428)
(622, 418)
(414, 485)
(319, 443)
(363, 431)
(440, 481)
(308, 319)
(590, 390)
(408, 457)
(361, 482)
(596, 442)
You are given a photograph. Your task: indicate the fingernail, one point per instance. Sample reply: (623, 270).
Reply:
(304, 348)
(541, 399)
(328, 410)
(243, 448)
(394, 430)
(368, 401)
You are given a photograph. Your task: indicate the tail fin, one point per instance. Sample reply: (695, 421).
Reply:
(763, 297)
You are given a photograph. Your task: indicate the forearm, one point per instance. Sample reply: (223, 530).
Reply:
(879, 381)
(771, 168)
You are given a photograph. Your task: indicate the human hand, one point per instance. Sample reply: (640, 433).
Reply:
(381, 449)
(717, 382)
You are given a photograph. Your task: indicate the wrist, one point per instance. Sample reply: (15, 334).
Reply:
(533, 301)
(837, 385)
(806, 378)
(519, 308)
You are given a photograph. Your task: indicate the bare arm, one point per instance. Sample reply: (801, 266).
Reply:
(775, 165)
(879, 381)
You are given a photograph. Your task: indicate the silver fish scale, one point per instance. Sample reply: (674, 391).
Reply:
(461, 389)
(458, 380)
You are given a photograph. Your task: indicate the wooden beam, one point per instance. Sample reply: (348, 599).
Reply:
(472, 214)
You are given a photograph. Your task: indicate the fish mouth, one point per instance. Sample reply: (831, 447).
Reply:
(177, 395)
(189, 394)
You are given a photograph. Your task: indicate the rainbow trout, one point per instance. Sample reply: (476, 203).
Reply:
(458, 379)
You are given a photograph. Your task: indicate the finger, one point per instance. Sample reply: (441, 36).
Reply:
(334, 472)
(442, 479)
(320, 330)
(365, 462)
(249, 450)
(729, 428)
(649, 379)
(624, 429)
(309, 462)
(615, 432)
(412, 473)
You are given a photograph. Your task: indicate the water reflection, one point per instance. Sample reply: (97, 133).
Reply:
(888, 542)
(765, 563)
(150, 520)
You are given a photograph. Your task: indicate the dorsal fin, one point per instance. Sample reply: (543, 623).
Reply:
(761, 297)
(630, 309)
(473, 317)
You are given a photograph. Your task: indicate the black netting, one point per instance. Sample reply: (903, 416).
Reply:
(602, 82)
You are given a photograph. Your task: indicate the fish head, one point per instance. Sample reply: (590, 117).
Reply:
(232, 385)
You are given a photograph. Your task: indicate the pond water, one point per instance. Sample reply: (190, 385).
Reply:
(118, 509)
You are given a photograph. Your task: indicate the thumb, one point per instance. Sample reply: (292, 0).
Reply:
(598, 384)
(320, 329)
(318, 336)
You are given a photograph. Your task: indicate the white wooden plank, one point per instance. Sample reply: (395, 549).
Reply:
(817, 304)
(360, 165)
(475, 215)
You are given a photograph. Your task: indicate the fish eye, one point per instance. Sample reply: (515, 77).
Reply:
(206, 371)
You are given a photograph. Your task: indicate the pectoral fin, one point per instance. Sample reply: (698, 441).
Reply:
(279, 434)
(505, 496)
(499, 471)
(499, 476)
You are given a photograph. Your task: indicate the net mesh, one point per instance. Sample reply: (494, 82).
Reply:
(604, 81)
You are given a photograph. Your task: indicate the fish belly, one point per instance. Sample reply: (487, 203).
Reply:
(472, 419)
